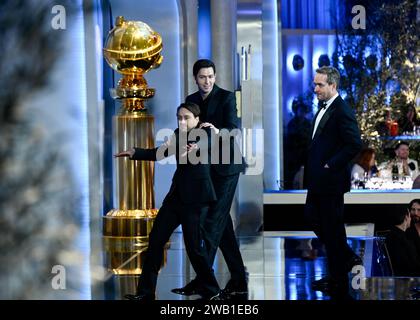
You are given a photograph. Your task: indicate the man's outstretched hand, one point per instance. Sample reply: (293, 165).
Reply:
(127, 153)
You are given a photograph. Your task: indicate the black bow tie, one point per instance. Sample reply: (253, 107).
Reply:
(323, 104)
(412, 166)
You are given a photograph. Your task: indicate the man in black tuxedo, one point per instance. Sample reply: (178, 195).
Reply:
(186, 203)
(218, 112)
(335, 141)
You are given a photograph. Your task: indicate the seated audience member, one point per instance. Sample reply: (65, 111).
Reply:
(409, 121)
(406, 166)
(402, 253)
(364, 164)
(413, 232)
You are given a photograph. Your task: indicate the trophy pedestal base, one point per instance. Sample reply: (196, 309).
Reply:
(126, 237)
(125, 255)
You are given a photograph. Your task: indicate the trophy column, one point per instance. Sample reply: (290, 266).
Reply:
(132, 48)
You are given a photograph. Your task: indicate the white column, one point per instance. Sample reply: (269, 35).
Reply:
(223, 27)
(189, 49)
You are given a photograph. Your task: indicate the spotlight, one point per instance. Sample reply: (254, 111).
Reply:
(298, 62)
(323, 60)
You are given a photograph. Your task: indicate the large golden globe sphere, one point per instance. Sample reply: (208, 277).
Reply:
(132, 47)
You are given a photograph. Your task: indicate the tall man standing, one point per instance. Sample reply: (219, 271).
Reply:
(335, 141)
(218, 111)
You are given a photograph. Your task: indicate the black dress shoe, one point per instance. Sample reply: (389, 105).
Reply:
(339, 290)
(189, 290)
(415, 296)
(140, 297)
(212, 297)
(331, 286)
(323, 283)
(235, 290)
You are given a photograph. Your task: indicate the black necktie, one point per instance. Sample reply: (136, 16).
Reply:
(323, 104)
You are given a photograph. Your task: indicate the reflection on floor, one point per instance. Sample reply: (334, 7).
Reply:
(280, 267)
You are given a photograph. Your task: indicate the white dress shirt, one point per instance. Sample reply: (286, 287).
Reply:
(322, 112)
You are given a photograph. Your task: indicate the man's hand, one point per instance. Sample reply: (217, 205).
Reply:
(209, 125)
(192, 146)
(127, 153)
(188, 148)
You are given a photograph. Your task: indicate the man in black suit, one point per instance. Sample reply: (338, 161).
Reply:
(413, 232)
(218, 112)
(186, 203)
(335, 141)
(402, 252)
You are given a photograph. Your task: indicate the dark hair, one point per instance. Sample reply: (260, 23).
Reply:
(397, 217)
(203, 63)
(364, 157)
(333, 76)
(400, 144)
(190, 106)
(413, 202)
(299, 104)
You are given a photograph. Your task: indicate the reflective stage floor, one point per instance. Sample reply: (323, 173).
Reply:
(281, 266)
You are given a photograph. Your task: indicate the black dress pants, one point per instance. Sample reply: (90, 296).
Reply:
(218, 227)
(169, 217)
(325, 214)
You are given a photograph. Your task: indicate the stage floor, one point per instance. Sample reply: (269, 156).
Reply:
(280, 266)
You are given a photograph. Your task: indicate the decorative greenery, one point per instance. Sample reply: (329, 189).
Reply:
(38, 224)
(380, 67)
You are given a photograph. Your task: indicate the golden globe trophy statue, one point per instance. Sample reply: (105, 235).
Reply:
(132, 48)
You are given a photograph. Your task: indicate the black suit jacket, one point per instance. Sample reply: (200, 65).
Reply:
(222, 113)
(414, 237)
(336, 142)
(403, 255)
(191, 183)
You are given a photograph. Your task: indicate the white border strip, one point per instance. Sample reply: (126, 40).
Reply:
(349, 198)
